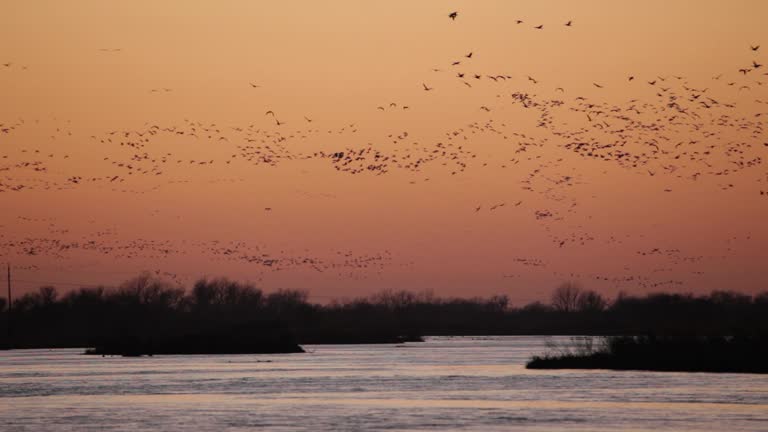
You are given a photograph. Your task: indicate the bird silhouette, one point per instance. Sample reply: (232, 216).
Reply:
(453, 15)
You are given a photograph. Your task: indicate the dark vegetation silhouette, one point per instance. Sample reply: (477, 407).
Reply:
(148, 314)
(738, 354)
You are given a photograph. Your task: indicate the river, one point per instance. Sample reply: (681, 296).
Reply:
(445, 383)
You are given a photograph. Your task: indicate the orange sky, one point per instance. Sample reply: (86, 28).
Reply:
(689, 216)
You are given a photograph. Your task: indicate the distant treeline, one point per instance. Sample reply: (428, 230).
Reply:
(148, 307)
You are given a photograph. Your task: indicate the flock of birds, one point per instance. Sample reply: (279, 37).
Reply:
(678, 130)
(453, 15)
(61, 244)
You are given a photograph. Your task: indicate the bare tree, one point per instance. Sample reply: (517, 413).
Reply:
(287, 300)
(565, 298)
(48, 295)
(591, 301)
(147, 289)
(499, 303)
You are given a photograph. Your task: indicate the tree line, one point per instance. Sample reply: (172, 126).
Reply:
(150, 306)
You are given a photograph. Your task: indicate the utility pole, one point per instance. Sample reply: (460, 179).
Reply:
(10, 308)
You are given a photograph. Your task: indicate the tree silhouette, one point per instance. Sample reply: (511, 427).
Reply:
(147, 306)
(591, 301)
(565, 298)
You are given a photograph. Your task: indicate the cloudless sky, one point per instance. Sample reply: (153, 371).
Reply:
(83, 73)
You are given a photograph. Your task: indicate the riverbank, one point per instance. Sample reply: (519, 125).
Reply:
(742, 354)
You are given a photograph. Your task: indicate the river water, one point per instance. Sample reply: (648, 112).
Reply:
(446, 383)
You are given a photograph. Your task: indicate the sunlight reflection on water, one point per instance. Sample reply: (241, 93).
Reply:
(443, 384)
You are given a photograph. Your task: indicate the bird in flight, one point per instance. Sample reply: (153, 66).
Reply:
(254, 85)
(453, 15)
(597, 85)
(631, 77)
(539, 27)
(426, 88)
(756, 65)
(569, 24)
(754, 47)
(309, 120)
(518, 21)
(469, 55)
(270, 112)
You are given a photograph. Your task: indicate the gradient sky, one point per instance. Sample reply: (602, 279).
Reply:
(689, 217)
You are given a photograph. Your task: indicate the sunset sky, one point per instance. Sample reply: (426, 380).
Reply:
(294, 144)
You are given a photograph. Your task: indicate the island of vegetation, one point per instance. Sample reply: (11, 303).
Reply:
(251, 338)
(736, 354)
